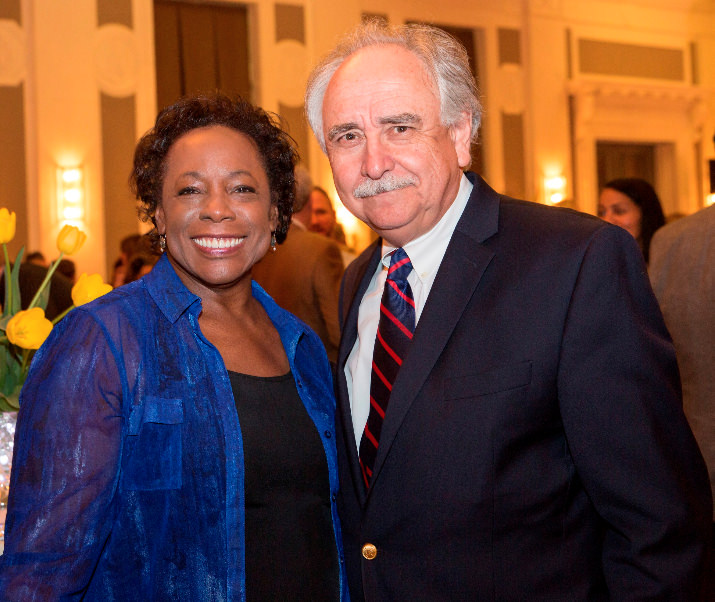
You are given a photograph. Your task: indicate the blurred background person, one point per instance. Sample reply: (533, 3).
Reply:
(136, 258)
(140, 264)
(303, 275)
(68, 269)
(176, 437)
(142, 259)
(128, 247)
(31, 277)
(324, 221)
(632, 204)
(682, 271)
(37, 258)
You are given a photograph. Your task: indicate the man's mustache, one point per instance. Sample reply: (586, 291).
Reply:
(386, 183)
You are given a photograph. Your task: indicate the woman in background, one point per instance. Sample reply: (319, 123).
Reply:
(632, 204)
(175, 439)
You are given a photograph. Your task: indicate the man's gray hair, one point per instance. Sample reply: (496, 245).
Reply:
(443, 56)
(303, 186)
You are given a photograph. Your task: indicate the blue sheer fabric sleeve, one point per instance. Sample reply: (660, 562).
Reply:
(65, 468)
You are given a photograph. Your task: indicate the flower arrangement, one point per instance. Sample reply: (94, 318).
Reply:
(23, 331)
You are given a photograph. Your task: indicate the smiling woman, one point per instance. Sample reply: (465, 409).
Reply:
(216, 215)
(191, 426)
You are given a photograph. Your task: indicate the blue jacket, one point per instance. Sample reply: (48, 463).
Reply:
(127, 481)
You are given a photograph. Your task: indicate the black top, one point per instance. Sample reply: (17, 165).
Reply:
(290, 544)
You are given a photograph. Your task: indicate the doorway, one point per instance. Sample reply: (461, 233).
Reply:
(625, 160)
(654, 163)
(200, 48)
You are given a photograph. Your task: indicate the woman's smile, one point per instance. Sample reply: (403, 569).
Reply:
(218, 242)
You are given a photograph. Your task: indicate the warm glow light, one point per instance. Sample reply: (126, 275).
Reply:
(554, 189)
(71, 175)
(72, 213)
(347, 219)
(555, 182)
(349, 223)
(710, 199)
(70, 195)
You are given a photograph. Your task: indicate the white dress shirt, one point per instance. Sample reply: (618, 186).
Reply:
(426, 254)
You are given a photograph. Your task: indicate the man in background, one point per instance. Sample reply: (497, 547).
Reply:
(325, 222)
(303, 275)
(509, 421)
(323, 219)
(682, 271)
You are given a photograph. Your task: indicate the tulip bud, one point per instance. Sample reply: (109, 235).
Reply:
(70, 239)
(7, 225)
(29, 328)
(88, 288)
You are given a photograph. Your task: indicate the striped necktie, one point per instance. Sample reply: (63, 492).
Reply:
(394, 333)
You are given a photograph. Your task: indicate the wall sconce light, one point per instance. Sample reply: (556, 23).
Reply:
(71, 202)
(554, 189)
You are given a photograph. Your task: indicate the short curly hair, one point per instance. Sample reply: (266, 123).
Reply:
(275, 147)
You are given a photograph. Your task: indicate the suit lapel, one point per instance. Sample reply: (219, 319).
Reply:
(462, 267)
(356, 281)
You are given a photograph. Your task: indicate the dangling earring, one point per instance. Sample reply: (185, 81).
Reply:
(273, 242)
(162, 242)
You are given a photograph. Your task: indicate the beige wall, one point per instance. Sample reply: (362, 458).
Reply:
(67, 62)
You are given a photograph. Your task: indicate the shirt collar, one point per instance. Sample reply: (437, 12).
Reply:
(173, 299)
(168, 291)
(426, 251)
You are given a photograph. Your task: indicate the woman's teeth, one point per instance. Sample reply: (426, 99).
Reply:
(218, 243)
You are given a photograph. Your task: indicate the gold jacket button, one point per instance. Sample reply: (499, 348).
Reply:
(369, 551)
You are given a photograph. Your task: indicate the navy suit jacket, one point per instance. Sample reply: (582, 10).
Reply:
(535, 446)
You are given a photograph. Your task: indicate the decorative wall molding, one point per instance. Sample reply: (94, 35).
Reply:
(622, 91)
(116, 60)
(595, 97)
(12, 53)
(291, 72)
(670, 117)
(547, 8)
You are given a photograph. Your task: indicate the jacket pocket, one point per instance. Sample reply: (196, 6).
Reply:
(153, 445)
(496, 380)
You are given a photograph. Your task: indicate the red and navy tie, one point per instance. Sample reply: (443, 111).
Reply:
(394, 333)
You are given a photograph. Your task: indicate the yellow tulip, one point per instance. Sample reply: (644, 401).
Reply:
(70, 239)
(7, 225)
(88, 288)
(29, 328)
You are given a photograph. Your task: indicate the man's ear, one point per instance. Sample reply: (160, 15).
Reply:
(461, 134)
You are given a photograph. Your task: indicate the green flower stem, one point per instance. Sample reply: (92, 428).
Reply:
(8, 283)
(26, 355)
(63, 314)
(51, 271)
